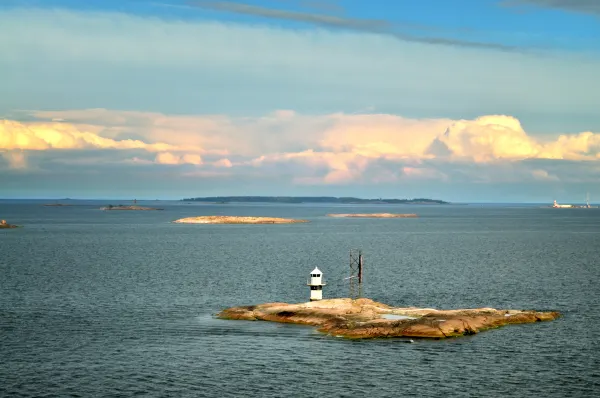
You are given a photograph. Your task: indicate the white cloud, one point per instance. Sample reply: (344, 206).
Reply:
(223, 163)
(169, 158)
(489, 138)
(329, 149)
(543, 175)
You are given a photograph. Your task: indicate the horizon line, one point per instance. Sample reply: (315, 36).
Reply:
(128, 199)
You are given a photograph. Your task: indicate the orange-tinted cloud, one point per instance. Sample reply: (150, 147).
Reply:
(170, 158)
(223, 163)
(45, 136)
(329, 149)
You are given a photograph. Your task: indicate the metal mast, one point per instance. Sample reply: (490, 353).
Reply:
(587, 200)
(356, 273)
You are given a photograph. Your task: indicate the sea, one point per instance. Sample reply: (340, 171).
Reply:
(122, 303)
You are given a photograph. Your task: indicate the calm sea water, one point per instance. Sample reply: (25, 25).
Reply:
(97, 303)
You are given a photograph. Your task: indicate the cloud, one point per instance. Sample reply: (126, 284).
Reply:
(391, 149)
(286, 134)
(169, 158)
(43, 136)
(15, 160)
(216, 135)
(317, 19)
(580, 146)
(329, 149)
(226, 163)
(375, 26)
(289, 150)
(121, 61)
(381, 134)
(543, 175)
(19, 138)
(582, 6)
(485, 139)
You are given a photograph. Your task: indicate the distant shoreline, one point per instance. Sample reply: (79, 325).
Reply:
(237, 220)
(372, 215)
(128, 208)
(311, 199)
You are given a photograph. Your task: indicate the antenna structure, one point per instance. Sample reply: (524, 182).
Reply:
(587, 200)
(356, 273)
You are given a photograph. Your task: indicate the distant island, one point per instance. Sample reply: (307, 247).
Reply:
(373, 215)
(312, 199)
(121, 207)
(236, 220)
(5, 225)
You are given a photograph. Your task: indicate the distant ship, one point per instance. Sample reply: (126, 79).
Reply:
(555, 205)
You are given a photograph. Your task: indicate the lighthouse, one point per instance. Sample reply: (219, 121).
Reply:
(316, 284)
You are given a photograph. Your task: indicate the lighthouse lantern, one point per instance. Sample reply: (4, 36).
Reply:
(316, 283)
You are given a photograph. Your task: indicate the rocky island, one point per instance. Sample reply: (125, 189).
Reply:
(236, 220)
(5, 225)
(111, 207)
(373, 215)
(365, 318)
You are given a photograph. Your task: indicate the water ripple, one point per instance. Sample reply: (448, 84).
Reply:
(97, 304)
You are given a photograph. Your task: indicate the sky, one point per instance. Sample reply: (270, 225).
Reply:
(465, 100)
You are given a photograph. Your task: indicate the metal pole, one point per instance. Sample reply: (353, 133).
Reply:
(360, 267)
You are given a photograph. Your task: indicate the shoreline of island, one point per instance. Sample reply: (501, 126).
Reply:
(5, 225)
(312, 199)
(130, 208)
(237, 220)
(372, 215)
(366, 319)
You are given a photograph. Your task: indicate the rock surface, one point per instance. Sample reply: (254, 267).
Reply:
(5, 225)
(365, 318)
(236, 220)
(374, 215)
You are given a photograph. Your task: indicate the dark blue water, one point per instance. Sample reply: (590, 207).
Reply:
(97, 303)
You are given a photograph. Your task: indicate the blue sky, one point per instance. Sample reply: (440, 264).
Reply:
(463, 100)
(520, 24)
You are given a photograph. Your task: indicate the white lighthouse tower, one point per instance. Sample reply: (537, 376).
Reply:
(316, 284)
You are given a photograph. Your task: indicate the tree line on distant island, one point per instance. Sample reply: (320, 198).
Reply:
(310, 199)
